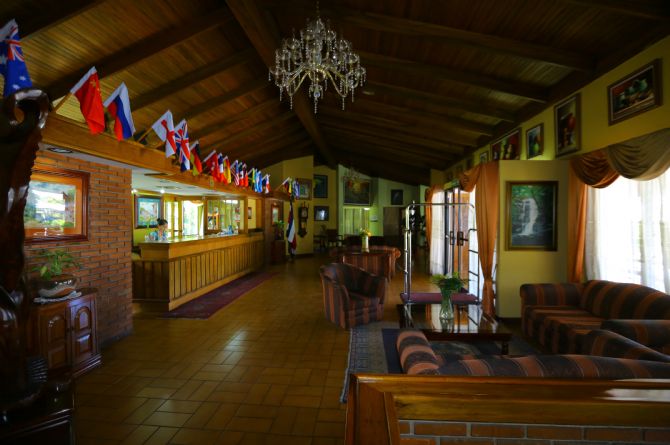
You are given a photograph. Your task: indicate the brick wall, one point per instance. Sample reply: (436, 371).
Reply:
(105, 256)
(477, 433)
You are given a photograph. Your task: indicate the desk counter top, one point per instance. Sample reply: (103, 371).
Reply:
(189, 245)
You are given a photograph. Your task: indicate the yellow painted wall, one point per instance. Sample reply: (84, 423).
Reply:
(516, 267)
(300, 168)
(254, 205)
(330, 201)
(437, 177)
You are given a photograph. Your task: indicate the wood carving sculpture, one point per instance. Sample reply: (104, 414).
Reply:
(21, 377)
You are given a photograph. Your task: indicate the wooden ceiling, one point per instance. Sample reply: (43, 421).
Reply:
(444, 76)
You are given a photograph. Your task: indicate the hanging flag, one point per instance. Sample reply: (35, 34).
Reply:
(290, 231)
(164, 128)
(226, 170)
(183, 146)
(211, 164)
(267, 183)
(220, 168)
(196, 163)
(12, 64)
(235, 173)
(87, 92)
(118, 107)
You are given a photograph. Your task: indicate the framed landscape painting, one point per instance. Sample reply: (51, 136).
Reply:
(636, 93)
(304, 188)
(531, 215)
(535, 141)
(567, 120)
(147, 210)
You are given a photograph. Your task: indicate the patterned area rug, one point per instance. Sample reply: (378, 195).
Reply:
(205, 306)
(372, 349)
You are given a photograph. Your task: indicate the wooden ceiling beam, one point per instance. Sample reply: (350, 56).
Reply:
(467, 105)
(193, 77)
(377, 142)
(296, 151)
(249, 112)
(47, 18)
(512, 87)
(289, 129)
(260, 128)
(421, 135)
(386, 153)
(386, 169)
(410, 140)
(443, 34)
(138, 51)
(657, 10)
(269, 146)
(210, 104)
(410, 116)
(255, 25)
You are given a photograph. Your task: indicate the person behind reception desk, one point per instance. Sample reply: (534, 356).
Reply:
(160, 234)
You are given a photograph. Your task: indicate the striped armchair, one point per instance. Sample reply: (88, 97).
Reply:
(559, 316)
(352, 296)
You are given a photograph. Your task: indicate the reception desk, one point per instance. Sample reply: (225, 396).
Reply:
(170, 273)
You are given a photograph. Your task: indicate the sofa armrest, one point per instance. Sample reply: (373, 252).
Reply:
(605, 343)
(551, 294)
(652, 333)
(372, 285)
(416, 355)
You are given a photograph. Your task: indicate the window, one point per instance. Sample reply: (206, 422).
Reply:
(191, 212)
(223, 215)
(628, 232)
(355, 219)
(56, 206)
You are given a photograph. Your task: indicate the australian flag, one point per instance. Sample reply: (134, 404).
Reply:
(12, 65)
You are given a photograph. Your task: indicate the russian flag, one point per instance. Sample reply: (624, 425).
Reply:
(118, 107)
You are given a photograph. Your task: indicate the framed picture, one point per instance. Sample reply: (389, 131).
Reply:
(357, 192)
(531, 215)
(567, 120)
(484, 157)
(249, 213)
(396, 197)
(304, 188)
(274, 213)
(320, 186)
(636, 93)
(320, 213)
(508, 146)
(535, 141)
(147, 210)
(56, 206)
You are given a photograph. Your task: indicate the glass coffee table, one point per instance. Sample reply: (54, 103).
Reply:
(470, 324)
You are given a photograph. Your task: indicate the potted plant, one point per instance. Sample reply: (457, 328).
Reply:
(279, 230)
(53, 282)
(448, 284)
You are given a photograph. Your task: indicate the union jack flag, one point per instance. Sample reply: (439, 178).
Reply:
(183, 148)
(12, 64)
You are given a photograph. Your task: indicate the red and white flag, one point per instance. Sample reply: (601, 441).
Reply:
(164, 128)
(87, 91)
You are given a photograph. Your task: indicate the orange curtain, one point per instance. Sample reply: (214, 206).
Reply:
(429, 211)
(590, 169)
(487, 208)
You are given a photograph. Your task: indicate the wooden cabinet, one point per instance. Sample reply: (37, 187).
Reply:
(278, 252)
(65, 333)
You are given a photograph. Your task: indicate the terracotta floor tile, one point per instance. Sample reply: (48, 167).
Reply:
(302, 401)
(156, 393)
(180, 406)
(329, 429)
(249, 424)
(222, 416)
(189, 436)
(141, 434)
(160, 418)
(162, 436)
(145, 410)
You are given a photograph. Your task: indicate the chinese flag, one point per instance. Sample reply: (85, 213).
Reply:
(87, 91)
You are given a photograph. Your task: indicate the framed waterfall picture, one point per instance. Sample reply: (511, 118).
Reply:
(531, 215)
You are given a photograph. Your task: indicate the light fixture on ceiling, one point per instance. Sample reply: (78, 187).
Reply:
(134, 191)
(322, 57)
(59, 150)
(162, 191)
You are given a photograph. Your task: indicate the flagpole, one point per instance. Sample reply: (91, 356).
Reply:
(144, 135)
(60, 104)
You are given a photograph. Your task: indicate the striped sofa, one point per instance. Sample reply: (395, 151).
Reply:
(352, 296)
(559, 316)
(638, 339)
(417, 357)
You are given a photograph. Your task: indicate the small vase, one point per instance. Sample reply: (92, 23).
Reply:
(447, 308)
(365, 246)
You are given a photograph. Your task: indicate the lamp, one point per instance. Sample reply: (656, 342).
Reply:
(322, 57)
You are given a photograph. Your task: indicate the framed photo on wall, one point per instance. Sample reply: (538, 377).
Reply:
(531, 215)
(535, 141)
(396, 197)
(508, 146)
(274, 213)
(567, 121)
(636, 93)
(147, 210)
(320, 186)
(304, 188)
(321, 213)
(357, 192)
(484, 157)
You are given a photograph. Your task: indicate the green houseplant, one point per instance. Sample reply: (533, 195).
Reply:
(448, 284)
(53, 282)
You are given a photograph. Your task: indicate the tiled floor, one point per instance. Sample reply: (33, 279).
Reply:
(267, 369)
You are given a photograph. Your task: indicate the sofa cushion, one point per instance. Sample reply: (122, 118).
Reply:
(607, 300)
(416, 355)
(610, 344)
(558, 366)
(543, 322)
(652, 333)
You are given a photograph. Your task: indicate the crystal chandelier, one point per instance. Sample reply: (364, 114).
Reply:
(322, 57)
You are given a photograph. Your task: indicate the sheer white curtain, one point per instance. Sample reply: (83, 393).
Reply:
(437, 234)
(628, 232)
